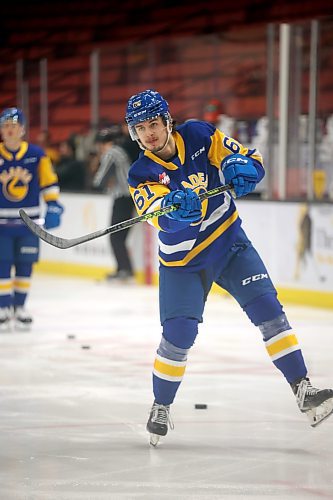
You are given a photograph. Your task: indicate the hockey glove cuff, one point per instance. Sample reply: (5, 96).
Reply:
(240, 171)
(53, 214)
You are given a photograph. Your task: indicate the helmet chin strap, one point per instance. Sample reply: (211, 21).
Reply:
(169, 129)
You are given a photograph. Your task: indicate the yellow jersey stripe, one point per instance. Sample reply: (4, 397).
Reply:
(204, 244)
(181, 154)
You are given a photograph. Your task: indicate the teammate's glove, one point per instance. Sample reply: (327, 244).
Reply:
(53, 214)
(189, 205)
(239, 170)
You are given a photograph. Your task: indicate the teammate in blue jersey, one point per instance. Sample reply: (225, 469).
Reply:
(204, 243)
(25, 173)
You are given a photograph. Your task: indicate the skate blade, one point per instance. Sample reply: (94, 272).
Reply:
(22, 327)
(154, 439)
(5, 328)
(317, 415)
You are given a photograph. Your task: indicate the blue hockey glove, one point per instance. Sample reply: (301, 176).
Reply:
(53, 214)
(189, 205)
(239, 170)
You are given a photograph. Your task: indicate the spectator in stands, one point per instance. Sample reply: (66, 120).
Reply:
(214, 114)
(111, 176)
(85, 145)
(44, 141)
(325, 153)
(71, 172)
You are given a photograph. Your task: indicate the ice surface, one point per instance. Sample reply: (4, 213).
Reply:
(72, 420)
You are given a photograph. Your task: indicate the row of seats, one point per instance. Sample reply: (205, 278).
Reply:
(188, 70)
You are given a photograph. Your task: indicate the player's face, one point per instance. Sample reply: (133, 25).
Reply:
(11, 133)
(152, 134)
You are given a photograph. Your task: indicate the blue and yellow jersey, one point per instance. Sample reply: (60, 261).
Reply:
(200, 151)
(24, 176)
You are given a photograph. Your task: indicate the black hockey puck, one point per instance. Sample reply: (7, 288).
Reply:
(85, 346)
(200, 406)
(71, 336)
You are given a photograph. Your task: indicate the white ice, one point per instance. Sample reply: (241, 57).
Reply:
(72, 419)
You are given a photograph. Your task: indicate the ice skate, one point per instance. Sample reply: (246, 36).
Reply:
(5, 319)
(22, 319)
(317, 404)
(159, 422)
(122, 276)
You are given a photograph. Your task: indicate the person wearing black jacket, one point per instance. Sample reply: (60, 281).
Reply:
(71, 172)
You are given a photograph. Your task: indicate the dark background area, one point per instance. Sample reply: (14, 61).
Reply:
(66, 33)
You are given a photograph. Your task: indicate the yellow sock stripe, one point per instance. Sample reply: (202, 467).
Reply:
(6, 286)
(282, 344)
(21, 286)
(5, 283)
(169, 370)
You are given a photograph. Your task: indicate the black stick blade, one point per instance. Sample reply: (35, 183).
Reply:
(64, 243)
(41, 233)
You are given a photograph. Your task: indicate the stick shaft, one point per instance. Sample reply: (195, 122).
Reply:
(63, 243)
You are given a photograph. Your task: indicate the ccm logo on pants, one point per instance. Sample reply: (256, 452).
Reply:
(256, 277)
(31, 250)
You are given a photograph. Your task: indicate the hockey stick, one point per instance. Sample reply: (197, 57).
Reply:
(63, 243)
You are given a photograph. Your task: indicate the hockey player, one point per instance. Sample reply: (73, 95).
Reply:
(25, 173)
(200, 244)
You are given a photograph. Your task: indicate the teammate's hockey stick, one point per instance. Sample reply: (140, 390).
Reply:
(63, 243)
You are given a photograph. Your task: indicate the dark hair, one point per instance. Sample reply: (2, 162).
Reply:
(110, 134)
(172, 123)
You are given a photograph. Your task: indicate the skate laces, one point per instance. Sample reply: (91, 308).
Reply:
(305, 389)
(161, 415)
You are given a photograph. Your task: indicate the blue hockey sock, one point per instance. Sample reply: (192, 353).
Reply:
(280, 341)
(6, 284)
(22, 283)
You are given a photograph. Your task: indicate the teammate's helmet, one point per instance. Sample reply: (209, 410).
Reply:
(12, 114)
(145, 106)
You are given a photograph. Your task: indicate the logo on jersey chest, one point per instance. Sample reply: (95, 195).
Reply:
(163, 178)
(198, 153)
(15, 183)
(196, 181)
